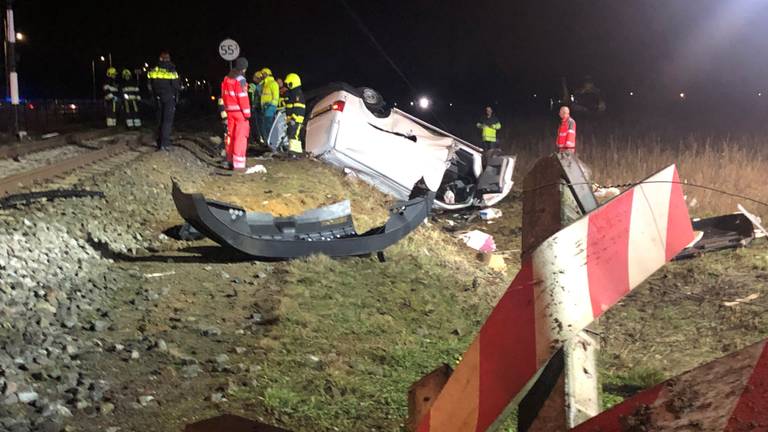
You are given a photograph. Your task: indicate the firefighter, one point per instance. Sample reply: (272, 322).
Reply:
(270, 96)
(566, 133)
(165, 86)
(294, 111)
(111, 96)
(131, 98)
(488, 126)
(234, 91)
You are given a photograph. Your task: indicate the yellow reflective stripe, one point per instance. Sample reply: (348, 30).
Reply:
(297, 118)
(160, 73)
(298, 105)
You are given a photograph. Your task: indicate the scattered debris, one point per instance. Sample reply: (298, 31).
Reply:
(490, 213)
(154, 275)
(328, 230)
(605, 193)
(719, 232)
(497, 263)
(746, 299)
(755, 220)
(479, 241)
(256, 169)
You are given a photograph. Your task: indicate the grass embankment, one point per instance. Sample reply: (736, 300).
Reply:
(678, 319)
(354, 334)
(736, 165)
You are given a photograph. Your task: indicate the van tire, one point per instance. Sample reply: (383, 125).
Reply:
(374, 102)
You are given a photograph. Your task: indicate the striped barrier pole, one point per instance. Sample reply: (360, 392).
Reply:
(729, 394)
(563, 285)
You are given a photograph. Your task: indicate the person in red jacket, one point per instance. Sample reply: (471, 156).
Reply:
(234, 92)
(566, 134)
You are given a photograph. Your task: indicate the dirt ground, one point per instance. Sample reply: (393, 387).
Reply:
(332, 345)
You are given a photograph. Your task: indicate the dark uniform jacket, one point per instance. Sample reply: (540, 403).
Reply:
(295, 105)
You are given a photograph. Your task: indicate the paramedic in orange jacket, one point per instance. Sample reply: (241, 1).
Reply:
(234, 92)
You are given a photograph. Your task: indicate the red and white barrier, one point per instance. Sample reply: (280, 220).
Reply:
(567, 282)
(729, 394)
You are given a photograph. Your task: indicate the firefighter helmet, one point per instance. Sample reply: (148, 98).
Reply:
(292, 81)
(111, 72)
(258, 76)
(126, 74)
(266, 72)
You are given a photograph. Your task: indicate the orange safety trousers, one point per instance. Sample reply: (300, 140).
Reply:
(238, 129)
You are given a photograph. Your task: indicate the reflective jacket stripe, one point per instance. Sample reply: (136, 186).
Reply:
(235, 96)
(160, 73)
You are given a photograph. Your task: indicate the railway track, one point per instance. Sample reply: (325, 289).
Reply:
(67, 172)
(76, 138)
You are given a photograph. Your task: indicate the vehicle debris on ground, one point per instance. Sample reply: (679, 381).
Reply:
(327, 230)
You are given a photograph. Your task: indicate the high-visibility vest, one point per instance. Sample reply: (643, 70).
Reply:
(566, 135)
(270, 92)
(489, 126)
(234, 93)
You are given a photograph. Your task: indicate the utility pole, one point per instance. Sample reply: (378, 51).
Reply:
(10, 65)
(93, 78)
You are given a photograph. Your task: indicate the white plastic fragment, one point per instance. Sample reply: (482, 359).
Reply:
(256, 169)
(479, 241)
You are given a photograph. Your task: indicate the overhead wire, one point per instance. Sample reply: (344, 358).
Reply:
(361, 25)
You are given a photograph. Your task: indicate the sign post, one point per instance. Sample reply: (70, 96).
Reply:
(229, 50)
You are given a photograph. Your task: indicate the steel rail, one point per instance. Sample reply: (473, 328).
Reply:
(18, 182)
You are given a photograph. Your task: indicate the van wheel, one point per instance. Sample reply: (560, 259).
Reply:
(371, 97)
(374, 102)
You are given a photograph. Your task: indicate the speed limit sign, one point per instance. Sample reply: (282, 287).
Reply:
(229, 49)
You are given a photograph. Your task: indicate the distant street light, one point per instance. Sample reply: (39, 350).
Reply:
(759, 93)
(93, 74)
(631, 93)
(424, 102)
(20, 36)
(682, 95)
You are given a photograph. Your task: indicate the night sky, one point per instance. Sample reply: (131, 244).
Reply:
(468, 52)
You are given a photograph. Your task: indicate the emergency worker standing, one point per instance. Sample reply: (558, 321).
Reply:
(131, 98)
(566, 133)
(488, 126)
(234, 91)
(295, 108)
(111, 96)
(254, 93)
(270, 96)
(164, 85)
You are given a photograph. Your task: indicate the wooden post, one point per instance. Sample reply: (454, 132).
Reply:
(556, 193)
(728, 394)
(423, 393)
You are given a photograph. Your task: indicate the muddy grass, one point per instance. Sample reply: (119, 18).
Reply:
(333, 345)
